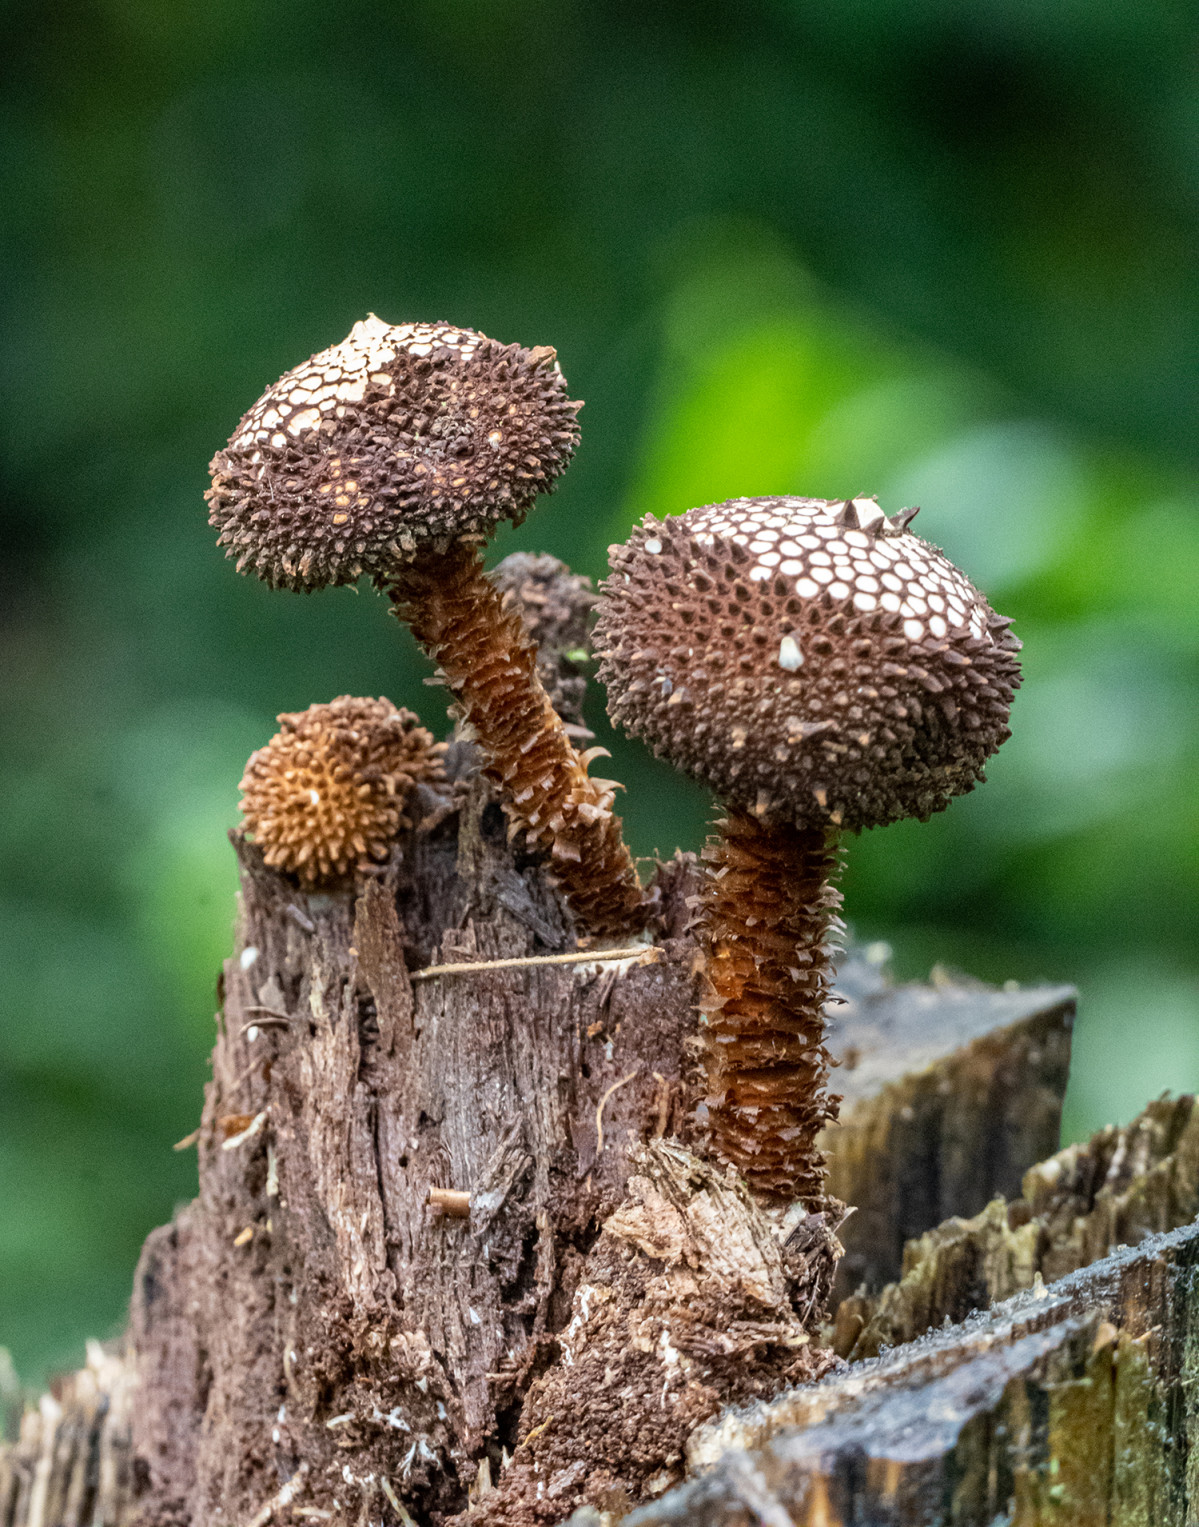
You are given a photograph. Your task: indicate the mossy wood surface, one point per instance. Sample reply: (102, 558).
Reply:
(1070, 1404)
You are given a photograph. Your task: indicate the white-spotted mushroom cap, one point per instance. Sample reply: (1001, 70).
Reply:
(327, 794)
(397, 438)
(811, 660)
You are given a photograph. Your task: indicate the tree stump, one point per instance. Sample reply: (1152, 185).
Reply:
(457, 1253)
(1068, 1404)
(422, 1196)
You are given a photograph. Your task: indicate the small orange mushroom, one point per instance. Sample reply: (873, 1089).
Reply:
(326, 795)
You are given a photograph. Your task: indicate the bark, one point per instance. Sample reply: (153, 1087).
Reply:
(357, 1330)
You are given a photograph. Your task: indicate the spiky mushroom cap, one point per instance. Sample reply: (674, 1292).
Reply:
(810, 660)
(396, 439)
(327, 793)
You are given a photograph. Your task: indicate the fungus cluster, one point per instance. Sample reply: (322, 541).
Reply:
(815, 663)
(326, 795)
(396, 454)
(822, 669)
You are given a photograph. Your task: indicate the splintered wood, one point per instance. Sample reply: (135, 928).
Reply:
(1074, 1404)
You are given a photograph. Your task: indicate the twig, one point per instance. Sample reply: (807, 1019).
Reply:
(394, 1499)
(581, 957)
(284, 1498)
(264, 1023)
(537, 1431)
(450, 1201)
(599, 1110)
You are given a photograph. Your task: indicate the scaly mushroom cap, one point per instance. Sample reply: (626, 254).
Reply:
(327, 793)
(395, 439)
(810, 660)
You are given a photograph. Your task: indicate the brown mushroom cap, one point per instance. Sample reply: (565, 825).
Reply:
(395, 439)
(327, 793)
(810, 660)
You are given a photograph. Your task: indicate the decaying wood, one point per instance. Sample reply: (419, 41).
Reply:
(1079, 1205)
(73, 1464)
(688, 1300)
(340, 1319)
(950, 1092)
(454, 1249)
(1070, 1404)
(315, 1308)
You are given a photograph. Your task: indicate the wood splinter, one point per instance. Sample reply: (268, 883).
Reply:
(644, 956)
(450, 1201)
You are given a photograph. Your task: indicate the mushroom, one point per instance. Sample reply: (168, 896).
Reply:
(396, 453)
(326, 795)
(557, 608)
(823, 670)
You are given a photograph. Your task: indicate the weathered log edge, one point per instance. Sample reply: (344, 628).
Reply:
(1064, 1404)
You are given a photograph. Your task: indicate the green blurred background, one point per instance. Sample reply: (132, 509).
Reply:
(937, 251)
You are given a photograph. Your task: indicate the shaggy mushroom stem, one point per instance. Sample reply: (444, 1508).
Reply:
(488, 661)
(767, 920)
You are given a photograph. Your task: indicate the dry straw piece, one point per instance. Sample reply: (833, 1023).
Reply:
(823, 670)
(396, 454)
(326, 795)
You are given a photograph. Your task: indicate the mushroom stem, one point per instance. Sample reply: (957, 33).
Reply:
(767, 917)
(489, 664)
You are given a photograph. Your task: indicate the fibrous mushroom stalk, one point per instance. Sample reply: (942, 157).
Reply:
(767, 919)
(489, 664)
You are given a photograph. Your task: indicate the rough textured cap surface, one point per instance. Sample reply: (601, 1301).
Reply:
(810, 660)
(327, 793)
(397, 438)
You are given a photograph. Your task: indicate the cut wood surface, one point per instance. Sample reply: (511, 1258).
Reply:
(951, 1090)
(1070, 1404)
